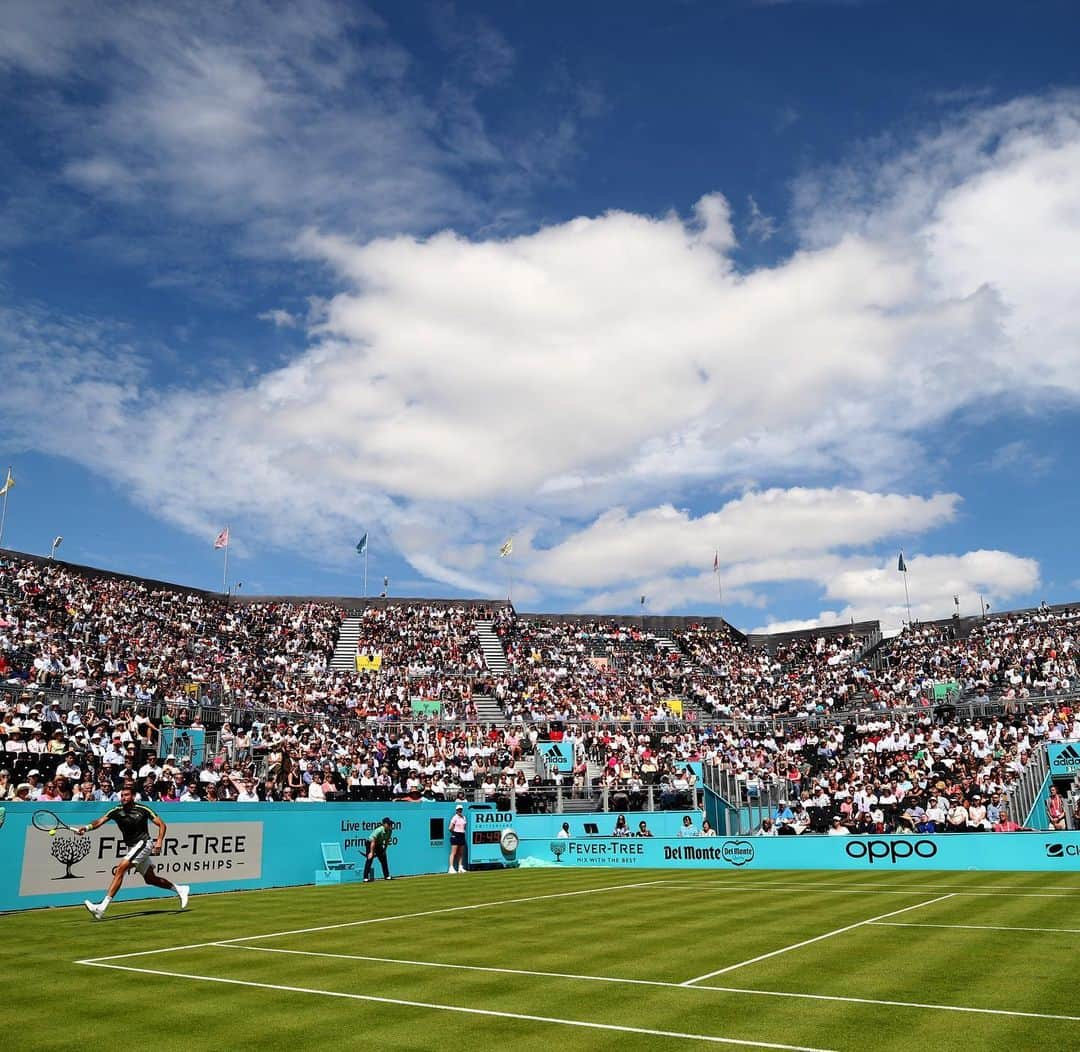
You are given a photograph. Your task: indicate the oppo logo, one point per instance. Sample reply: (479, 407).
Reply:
(891, 851)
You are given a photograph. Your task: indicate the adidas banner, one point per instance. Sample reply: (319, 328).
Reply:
(1064, 758)
(558, 756)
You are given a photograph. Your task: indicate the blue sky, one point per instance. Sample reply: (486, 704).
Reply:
(787, 281)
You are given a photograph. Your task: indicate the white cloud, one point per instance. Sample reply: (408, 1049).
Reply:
(761, 227)
(1020, 457)
(619, 361)
(752, 529)
(280, 319)
(876, 592)
(256, 118)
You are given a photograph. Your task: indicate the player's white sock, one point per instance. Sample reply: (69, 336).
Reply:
(104, 905)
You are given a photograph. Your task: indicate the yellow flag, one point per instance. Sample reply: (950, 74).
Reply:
(8, 484)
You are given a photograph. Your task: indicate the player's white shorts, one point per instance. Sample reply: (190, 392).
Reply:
(141, 856)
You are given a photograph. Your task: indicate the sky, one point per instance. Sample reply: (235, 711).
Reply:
(785, 286)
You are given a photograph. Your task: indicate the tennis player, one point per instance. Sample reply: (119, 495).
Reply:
(378, 842)
(134, 822)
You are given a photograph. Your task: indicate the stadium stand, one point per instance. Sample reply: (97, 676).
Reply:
(445, 700)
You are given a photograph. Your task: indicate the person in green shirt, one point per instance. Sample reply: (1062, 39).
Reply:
(378, 842)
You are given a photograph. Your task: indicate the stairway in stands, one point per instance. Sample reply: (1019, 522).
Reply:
(487, 708)
(491, 647)
(691, 710)
(344, 659)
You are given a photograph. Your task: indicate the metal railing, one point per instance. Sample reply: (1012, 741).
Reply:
(212, 712)
(1024, 795)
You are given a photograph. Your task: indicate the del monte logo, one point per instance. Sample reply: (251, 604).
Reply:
(738, 852)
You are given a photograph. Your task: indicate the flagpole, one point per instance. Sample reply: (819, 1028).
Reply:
(907, 598)
(225, 571)
(3, 514)
(719, 585)
(365, 570)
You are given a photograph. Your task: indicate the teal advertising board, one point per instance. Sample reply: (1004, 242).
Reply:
(212, 847)
(487, 825)
(183, 743)
(558, 756)
(230, 847)
(1064, 759)
(1053, 852)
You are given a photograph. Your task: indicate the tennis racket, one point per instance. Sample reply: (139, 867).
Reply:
(49, 822)
(3, 815)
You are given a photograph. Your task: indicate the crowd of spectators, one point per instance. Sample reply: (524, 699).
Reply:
(586, 670)
(122, 640)
(48, 755)
(423, 652)
(806, 677)
(1011, 656)
(811, 721)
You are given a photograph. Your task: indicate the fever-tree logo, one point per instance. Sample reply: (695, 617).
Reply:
(557, 849)
(67, 851)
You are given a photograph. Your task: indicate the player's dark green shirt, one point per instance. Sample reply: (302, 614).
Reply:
(134, 823)
(380, 839)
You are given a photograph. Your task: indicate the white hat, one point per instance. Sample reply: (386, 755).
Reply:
(459, 808)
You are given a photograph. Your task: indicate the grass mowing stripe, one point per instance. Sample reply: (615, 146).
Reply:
(892, 1004)
(375, 920)
(461, 1009)
(816, 938)
(974, 927)
(720, 886)
(956, 889)
(843, 999)
(456, 967)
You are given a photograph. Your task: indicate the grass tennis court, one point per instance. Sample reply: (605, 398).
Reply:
(579, 958)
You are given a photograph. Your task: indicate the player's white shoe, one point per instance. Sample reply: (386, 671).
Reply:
(461, 869)
(451, 870)
(96, 910)
(183, 891)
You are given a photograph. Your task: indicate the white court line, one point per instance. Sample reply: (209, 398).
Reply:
(816, 938)
(375, 920)
(648, 982)
(464, 1011)
(975, 927)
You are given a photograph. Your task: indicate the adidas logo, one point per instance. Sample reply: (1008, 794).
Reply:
(1068, 757)
(555, 752)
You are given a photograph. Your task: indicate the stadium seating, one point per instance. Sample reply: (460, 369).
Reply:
(99, 664)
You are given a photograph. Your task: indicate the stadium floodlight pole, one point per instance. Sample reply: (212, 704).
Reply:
(55, 544)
